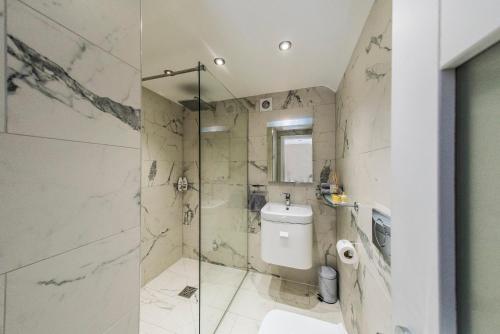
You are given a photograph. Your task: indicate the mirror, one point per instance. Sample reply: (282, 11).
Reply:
(290, 150)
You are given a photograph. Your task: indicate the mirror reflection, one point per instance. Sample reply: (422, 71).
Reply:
(290, 151)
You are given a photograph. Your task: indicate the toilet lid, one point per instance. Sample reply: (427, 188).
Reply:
(282, 322)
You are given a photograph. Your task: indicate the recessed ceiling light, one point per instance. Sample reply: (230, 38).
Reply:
(285, 45)
(219, 61)
(169, 72)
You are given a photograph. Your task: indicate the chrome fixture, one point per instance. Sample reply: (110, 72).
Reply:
(219, 61)
(285, 45)
(182, 184)
(287, 200)
(171, 73)
(195, 103)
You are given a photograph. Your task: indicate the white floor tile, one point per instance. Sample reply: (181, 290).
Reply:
(227, 323)
(261, 293)
(245, 325)
(252, 305)
(164, 312)
(147, 328)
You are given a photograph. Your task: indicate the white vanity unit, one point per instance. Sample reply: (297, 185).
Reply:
(287, 235)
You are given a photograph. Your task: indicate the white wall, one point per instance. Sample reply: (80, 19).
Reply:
(467, 28)
(422, 173)
(423, 151)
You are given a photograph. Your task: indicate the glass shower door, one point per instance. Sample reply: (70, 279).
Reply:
(223, 135)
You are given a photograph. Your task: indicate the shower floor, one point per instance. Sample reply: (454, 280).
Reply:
(163, 311)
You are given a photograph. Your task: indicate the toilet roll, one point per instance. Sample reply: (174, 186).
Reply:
(347, 252)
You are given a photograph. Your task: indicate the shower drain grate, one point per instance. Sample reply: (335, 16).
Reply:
(187, 292)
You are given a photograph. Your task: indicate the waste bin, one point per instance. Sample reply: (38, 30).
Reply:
(327, 285)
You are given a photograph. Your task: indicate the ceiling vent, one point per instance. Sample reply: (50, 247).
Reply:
(266, 104)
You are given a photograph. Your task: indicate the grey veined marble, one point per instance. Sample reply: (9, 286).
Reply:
(42, 74)
(362, 163)
(62, 86)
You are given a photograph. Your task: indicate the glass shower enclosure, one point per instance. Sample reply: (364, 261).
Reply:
(223, 184)
(208, 137)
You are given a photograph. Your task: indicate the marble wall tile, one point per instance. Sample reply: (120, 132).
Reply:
(2, 66)
(70, 166)
(318, 102)
(257, 172)
(115, 31)
(62, 86)
(363, 165)
(161, 202)
(190, 222)
(58, 195)
(162, 130)
(224, 178)
(257, 148)
(298, 98)
(190, 199)
(156, 173)
(223, 185)
(161, 230)
(129, 324)
(2, 299)
(41, 295)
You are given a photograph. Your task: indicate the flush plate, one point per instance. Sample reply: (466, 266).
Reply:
(381, 234)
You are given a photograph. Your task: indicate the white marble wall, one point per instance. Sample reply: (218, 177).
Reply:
(69, 168)
(363, 165)
(223, 185)
(190, 199)
(161, 204)
(320, 103)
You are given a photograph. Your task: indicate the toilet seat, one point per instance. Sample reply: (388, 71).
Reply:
(282, 322)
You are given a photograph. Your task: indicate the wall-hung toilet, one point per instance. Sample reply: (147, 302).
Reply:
(287, 235)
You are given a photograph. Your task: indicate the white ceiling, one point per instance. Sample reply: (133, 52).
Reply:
(179, 33)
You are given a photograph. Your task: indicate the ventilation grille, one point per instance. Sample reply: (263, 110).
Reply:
(187, 292)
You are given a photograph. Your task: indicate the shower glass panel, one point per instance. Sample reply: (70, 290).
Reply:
(223, 135)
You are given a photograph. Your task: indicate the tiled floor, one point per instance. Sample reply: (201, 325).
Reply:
(260, 294)
(164, 312)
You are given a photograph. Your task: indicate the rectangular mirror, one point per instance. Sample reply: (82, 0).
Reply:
(290, 150)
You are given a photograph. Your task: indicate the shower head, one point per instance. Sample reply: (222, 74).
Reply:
(193, 104)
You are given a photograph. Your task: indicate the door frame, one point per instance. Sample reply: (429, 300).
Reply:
(430, 39)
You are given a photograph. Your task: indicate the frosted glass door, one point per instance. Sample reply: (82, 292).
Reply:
(478, 193)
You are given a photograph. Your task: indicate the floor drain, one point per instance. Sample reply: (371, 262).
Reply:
(187, 292)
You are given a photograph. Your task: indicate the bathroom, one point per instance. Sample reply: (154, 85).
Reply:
(264, 167)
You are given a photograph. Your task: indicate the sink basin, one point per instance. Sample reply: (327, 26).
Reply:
(295, 213)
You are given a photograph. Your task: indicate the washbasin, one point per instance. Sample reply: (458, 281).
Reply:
(294, 213)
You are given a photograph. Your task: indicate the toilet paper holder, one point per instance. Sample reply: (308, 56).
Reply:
(347, 252)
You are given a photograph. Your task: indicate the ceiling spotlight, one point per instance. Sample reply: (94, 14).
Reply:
(219, 61)
(168, 72)
(285, 45)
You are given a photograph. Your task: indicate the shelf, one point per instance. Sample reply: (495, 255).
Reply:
(329, 202)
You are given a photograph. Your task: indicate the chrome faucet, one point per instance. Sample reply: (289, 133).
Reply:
(287, 200)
